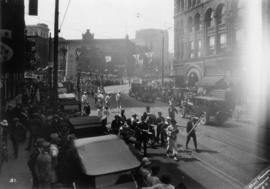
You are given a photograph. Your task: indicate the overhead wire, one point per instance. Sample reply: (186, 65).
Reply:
(65, 15)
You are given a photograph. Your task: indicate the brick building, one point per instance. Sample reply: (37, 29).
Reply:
(208, 38)
(113, 56)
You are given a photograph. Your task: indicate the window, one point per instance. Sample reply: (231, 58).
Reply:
(223, 40)
(182, 4)
(199, 44)
(199, 54)
(189, 4)
(191, 45)
(197, 22)
(193, 3)
(220, 13)
(190, 24)
(198, 2)
(209, 17)
(211, 45)
(178, 7)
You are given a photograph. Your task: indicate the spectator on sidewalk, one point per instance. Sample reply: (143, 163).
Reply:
(17, 132)
(43, 167)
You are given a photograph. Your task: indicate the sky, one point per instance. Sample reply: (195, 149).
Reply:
(105, 18)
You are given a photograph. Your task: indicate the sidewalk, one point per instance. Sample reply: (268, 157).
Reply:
(15, 173)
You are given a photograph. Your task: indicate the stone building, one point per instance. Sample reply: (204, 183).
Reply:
(207, 42)
(152, 39)
(114, 56)
(40, 30)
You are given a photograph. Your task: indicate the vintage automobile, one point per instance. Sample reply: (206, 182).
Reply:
(87, 126)
(68, 104)
(142, 92)
(210, 109)
(105, 162)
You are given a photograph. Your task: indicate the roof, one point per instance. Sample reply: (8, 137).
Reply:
(105, 154)
(209, 98)
(86, 120)
(209, 81)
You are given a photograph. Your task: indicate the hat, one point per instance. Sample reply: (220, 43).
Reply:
(54, 137)
(40, 141)
(4, 123)
(134, 115)
(173, 121)
(146, 161)
(45, 144)
(168, 118)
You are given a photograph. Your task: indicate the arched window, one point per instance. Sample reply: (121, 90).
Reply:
(220, 14)
(190, 24)
(197, 22)
(209, 17)
(189, 4)
(182, 5)
(193, 3)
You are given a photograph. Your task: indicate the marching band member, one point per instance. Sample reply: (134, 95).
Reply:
(172, 132)
(191, 132)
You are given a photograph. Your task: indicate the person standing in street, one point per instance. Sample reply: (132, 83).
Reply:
(118, 101)
(191, 133)
(160, 125)
(172, 110)
(172, 132)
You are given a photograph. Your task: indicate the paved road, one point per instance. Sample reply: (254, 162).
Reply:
(229, 156)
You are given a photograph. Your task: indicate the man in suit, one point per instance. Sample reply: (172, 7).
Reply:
(191, 132)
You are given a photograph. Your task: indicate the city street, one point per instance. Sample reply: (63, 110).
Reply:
(229, 156)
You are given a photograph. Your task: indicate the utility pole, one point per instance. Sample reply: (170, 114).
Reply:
(162, 61)
(55, 56)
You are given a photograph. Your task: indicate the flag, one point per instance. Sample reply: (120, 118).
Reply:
(108, 59)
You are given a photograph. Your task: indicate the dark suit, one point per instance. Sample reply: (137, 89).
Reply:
(191, 135)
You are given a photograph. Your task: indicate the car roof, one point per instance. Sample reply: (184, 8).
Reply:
(84, 120)
(208, 98)
(105, 154)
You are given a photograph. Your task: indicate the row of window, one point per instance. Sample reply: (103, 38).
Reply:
(181, 5)
(37, 33)
(194, 48)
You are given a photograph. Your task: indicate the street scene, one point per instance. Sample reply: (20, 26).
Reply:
(142, 99)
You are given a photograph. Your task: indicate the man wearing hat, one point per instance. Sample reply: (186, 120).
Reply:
(160, 126)
(17, 130)
(172, 132)
(191, 132)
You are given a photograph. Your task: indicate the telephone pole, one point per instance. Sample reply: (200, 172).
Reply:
(55, 56)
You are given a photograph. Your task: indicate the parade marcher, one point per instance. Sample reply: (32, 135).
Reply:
(116, 124)
(87, 109)
(106, 114)
(17, 132)
(84, 100)
(123, 117)
(172, 132)
(191, 134)
(160, 126)
(108, 101)
(118, 100)
(172, 110)
(143, 136)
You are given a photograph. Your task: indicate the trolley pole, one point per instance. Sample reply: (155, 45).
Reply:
(55, 56)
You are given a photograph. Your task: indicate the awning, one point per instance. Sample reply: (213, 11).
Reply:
(209, 81)
(105, 154)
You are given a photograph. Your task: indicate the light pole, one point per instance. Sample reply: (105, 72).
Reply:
(55, 56)
(162, 60)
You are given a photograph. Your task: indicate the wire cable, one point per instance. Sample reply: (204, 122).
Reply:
(65, 14)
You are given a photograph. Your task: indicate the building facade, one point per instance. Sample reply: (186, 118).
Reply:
(153, 40)
(40, 30)
(208, 38)
(104, 56)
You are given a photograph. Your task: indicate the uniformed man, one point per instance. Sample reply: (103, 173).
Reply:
(191, 132)
(172, 132)
(160, 125)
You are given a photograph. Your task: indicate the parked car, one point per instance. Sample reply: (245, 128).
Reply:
(105, 162)
(87, 126)
(210, 109)
(69, 104)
